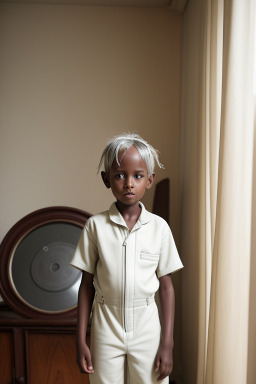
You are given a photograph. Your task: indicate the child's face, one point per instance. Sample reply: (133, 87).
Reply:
(130, 180)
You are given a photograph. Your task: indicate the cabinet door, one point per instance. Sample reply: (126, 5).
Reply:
(6, 357)
(51, 359)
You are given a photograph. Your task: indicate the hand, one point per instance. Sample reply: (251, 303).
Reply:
(84, 359)
(163, 361)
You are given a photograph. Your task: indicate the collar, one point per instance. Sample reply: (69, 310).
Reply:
(117, 218)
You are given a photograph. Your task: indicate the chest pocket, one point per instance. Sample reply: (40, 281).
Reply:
(149, 257)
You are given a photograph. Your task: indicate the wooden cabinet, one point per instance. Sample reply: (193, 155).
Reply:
(6, 357)
(34, 351)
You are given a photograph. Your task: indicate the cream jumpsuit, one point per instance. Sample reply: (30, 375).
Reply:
(125, 331)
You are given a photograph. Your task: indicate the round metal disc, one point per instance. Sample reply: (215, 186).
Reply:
(50, 268)
(40, 269)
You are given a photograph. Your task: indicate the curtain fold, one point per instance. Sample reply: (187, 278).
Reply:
(229, 309)
(210, 112)
(218, 201)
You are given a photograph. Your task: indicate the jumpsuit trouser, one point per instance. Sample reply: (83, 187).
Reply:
(120, 357)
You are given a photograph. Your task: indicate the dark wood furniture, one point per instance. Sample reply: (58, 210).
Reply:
(38, 351)
(161, 203)
(38, 346)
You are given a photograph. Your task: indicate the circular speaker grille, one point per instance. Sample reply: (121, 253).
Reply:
(50, 268)
(40, 270)
(36, 279)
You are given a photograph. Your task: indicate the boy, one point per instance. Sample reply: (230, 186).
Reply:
(126, 254)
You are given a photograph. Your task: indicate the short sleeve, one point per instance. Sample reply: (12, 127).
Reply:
(169, 260)
(86, 254)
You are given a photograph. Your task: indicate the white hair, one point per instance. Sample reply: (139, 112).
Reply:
(125, 141)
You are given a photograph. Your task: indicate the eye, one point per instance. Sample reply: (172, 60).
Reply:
(120, 176)
(138, 176)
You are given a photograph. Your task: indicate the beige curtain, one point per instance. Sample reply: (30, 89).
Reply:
(218, 214)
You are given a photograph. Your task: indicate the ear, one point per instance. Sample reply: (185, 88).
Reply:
(151, 180)
(105, 179)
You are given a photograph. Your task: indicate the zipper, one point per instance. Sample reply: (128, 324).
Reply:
(125, 279)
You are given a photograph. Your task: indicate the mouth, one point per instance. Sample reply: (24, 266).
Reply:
(129, 194)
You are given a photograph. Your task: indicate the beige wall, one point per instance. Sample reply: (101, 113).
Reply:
(71, 77)
(190, 166)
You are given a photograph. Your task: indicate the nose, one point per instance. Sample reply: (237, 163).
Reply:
(129, 182)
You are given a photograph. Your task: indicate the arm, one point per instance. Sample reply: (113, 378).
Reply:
(164, 361)
(85, 300)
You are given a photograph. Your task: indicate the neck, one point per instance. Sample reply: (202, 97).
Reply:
(130, 213)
